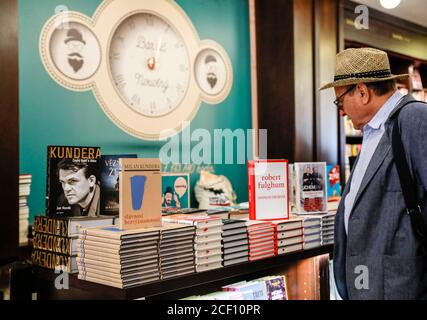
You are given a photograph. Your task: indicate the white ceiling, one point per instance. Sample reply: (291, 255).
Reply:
(411, 10)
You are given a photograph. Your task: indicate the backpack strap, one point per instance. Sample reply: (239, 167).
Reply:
(409, 187)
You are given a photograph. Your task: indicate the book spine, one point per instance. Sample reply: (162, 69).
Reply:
(48, 213)
(47, 225)
(251, 190)
(52, 260)
(288, 204)
(52, 243)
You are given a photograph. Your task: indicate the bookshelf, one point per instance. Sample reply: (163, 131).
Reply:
(406, 46)
(180, 287)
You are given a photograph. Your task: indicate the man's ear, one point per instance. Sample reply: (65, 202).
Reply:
(92, 180)
(363, 93)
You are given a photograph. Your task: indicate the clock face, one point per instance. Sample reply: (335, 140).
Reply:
(149, 64)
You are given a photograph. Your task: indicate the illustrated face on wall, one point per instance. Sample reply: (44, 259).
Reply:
(211, 70)
(75, 43)
(75, 51)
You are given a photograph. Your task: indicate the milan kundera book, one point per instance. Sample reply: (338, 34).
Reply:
(268, 189)
(72, 186)
(140, 183)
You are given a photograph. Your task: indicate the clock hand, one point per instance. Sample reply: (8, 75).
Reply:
(156, 59)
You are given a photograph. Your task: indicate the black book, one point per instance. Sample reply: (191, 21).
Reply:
(73, 183)
(232, 224)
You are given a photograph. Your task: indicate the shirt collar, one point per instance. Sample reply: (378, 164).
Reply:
(382, 115)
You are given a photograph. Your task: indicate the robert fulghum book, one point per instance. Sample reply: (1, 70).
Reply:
(268, 189)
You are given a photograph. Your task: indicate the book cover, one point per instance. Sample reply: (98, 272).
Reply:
(139, 193)
(275, 287)
(110, 182)
(194, 220)
(334, 185)
(69, 227)
(175, 190)
(268, 189)
(73, 182)
(310, 186)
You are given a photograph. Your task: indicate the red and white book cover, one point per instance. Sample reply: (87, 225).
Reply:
(268, 189)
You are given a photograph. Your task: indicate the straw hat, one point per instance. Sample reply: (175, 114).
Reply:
(354, 66)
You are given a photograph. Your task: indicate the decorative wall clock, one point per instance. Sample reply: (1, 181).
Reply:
(142, 59)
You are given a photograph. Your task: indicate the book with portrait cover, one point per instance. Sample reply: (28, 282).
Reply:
(110, 183)
(310, 187)
(140, 184)
(268, 189)
(73, 184)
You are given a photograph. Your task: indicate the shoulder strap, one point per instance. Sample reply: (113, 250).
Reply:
(409, 187)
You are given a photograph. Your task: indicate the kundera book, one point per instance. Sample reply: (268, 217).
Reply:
(310, 185)
(110, 183)
(140, 183)
(69, 227)
(73, 183)
(268, 189)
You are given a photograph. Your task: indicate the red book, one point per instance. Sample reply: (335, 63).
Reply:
(268, 189)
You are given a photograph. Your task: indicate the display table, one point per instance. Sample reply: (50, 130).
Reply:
(179, 287)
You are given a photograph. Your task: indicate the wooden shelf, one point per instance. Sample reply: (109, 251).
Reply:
(207, 280)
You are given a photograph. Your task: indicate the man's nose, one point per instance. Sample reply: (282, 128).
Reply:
(342, 113)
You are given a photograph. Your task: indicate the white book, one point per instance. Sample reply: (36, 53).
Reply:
(289, 233)
(292, 248)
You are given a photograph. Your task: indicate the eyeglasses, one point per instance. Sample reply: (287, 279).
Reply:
(338, 101)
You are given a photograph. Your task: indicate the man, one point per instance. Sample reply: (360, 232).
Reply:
(376, 252)
(80, 185)
(170, 199)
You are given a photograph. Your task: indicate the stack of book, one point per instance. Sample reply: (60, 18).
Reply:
(119, 258)
(261, 239)
(312, 231)
(55, 240)
(24, 210)
(328, 226)
(288, 235)
(176, 250)
(234, 241)
(207, 241)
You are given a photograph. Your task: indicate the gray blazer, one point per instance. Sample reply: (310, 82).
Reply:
(380, 238)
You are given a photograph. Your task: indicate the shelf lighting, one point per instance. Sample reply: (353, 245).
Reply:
(389, 4)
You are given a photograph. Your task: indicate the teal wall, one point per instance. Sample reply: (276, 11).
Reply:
(53, 115)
